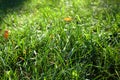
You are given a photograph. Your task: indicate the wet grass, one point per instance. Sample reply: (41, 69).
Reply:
(61, 39)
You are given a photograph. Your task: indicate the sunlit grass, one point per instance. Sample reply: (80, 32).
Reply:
(61, 40)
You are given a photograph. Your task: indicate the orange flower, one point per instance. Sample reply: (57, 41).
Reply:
(6, 34)
(68, 19)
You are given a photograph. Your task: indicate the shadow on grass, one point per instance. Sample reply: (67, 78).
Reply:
(8, 6)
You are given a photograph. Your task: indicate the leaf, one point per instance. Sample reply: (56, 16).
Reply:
(6, 34)
(67, 19)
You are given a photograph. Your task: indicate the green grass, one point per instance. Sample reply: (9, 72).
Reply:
(42, 46)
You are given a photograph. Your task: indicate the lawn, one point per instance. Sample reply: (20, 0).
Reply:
(59, 40)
